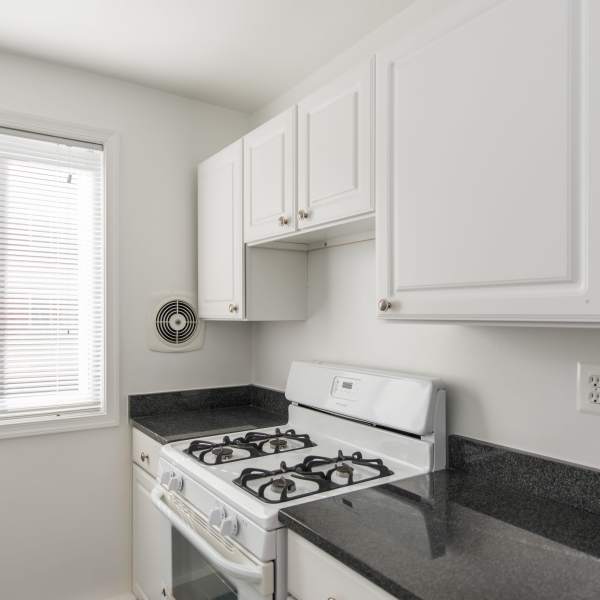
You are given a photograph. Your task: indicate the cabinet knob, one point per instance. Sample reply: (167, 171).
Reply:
(283, 220)
(302, 214)
(384, 305)
(232, 308)
(144, 457)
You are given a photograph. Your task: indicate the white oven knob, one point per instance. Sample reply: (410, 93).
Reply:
(230, 526)
(217, 514)
(165, 476)
(175, 483)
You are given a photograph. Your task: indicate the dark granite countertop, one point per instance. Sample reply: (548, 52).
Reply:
(171, 427)
(451, 535)
(172, 416)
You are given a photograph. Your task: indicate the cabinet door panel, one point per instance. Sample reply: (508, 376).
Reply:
(334, 149)
(335, 580)
(147, 539)
(482, 155)
(270, 178)
(220, 247)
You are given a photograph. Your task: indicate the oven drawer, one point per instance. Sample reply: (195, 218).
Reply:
(315, 575)
(145, 451)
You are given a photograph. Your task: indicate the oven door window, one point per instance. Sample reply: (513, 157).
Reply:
(194, 578)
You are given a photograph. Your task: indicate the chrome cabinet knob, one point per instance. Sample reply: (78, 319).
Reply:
(384, 305)
(144, 457)
(232, 308)
(283, 220)
(302, 214)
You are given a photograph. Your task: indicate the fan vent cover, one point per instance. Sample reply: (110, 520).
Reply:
(176, 322)
(173, 324)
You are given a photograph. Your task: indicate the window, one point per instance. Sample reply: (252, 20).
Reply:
(52, 280)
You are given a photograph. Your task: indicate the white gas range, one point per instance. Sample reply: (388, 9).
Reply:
(348, 428)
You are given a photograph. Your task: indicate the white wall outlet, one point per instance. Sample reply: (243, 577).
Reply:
(588, 388)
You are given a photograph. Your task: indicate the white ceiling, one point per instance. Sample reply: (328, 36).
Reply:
(236, 53)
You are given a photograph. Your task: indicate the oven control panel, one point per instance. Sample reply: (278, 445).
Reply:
(344, 388)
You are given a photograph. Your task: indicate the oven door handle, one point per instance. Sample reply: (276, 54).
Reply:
(235, 570)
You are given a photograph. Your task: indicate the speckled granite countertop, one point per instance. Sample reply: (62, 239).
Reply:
(172, 416)
(453, 535)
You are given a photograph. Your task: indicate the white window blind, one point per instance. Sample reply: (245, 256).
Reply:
(52, 272)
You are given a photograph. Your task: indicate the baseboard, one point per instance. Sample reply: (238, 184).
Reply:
(128, 596)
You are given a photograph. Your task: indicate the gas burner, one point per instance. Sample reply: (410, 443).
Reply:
(223, 451)
(282, 483)
(215, 453)
(344, 470)
(278, 443)
(313, 475)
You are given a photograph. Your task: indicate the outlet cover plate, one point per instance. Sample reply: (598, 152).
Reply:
(584, 387)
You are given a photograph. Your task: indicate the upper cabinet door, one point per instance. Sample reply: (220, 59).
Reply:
(270, 178)
(335, 143)
(488, 198)
(220, 245)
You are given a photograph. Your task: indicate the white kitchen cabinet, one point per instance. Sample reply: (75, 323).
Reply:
(488, 191)
(270, 178)
(145, 451)
(335, 149)
(314, 574)
(220, 244)
(147, 541)
(235, 282)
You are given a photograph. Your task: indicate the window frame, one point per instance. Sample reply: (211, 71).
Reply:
(109, 416)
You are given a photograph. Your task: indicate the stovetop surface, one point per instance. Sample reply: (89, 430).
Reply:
(397, 457)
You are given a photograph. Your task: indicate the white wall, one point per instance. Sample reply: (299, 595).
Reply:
(64, 518)
(512, 386)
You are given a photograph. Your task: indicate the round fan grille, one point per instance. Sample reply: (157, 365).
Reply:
(176, 322)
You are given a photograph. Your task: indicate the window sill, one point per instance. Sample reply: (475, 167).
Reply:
(59, 424)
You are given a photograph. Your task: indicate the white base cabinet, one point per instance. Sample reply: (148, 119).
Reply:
(488, 181)
(315, 575)
(147, 539)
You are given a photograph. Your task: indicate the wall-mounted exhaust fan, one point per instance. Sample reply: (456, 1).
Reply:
(174, 325)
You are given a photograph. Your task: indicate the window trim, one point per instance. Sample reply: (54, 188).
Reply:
(110, 416)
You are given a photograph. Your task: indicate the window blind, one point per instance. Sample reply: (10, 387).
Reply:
(52, 272)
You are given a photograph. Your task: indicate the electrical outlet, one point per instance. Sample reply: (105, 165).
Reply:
(588, 388)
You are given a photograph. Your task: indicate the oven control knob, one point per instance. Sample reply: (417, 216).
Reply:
(217, 514)
(165, 477)
(175, 483)
(230, 526)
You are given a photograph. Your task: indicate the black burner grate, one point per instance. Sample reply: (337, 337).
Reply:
(251, 445)
(281, 481)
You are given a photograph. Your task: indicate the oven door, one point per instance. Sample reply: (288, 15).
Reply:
(202, 564)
